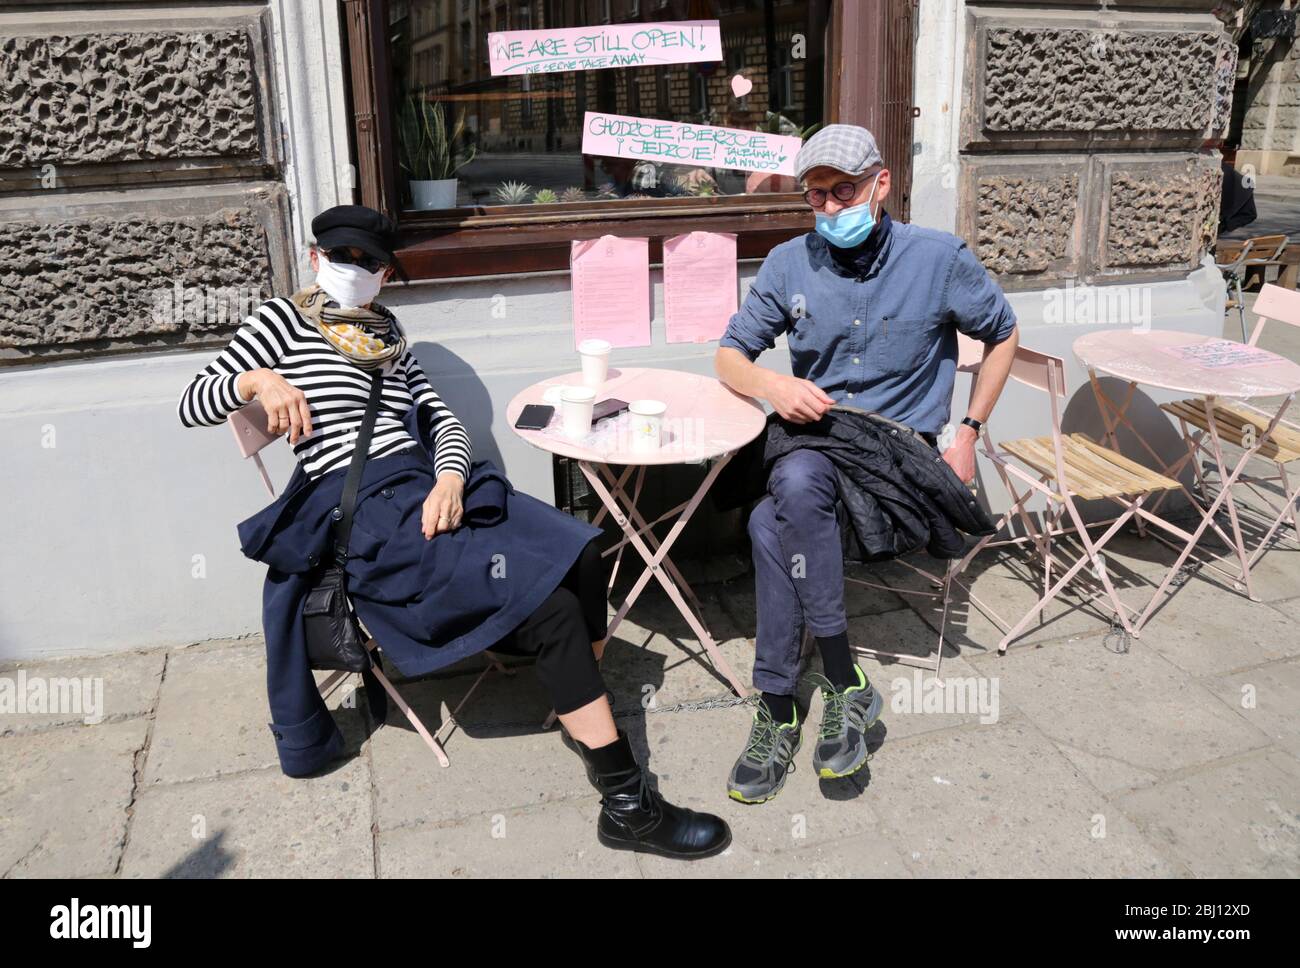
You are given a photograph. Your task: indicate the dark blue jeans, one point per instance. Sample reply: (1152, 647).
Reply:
(798, 566)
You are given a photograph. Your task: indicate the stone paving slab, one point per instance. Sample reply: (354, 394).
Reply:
(1236, 819)
(212, 716)
(500, 759)
(1229, 631)
(127, 684)
(65, 797)
(260, 824)
(1123, 719)
(554, 839)
(1268, 697)
(868, 855)
(1001, 801)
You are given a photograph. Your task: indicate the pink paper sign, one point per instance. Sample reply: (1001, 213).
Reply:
(699, 285)
(678, 143)
(611, 290)
(602, 46)
(1220, 354)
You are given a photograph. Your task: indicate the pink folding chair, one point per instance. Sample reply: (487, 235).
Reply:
(1063, 469)
(249, 427)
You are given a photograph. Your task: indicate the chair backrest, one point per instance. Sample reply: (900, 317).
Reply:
(1029, 367)
(1275, 302)
(970, 354)
(1040, 371)
(249, 427)
(1263, 248)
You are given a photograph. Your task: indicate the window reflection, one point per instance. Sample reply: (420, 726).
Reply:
(466, 138)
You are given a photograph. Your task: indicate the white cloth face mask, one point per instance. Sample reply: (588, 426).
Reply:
(348, 285)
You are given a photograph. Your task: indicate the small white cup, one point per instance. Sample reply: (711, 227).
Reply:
(553, 395)
(595, 361)
(646, 423)
(575, 411)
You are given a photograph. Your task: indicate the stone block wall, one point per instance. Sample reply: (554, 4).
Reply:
(142, 196)
(1270, 127)
(1081, 140)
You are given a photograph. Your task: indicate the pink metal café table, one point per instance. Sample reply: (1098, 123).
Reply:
(704, 421)
(1216, 371)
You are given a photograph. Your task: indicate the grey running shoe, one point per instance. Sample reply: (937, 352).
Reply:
(847, 715)
(761, 770)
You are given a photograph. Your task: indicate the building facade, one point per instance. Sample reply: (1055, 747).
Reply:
(160, 166)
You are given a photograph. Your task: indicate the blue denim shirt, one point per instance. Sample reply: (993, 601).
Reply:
(883, 336)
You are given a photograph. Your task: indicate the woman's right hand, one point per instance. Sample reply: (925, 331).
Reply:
(285, 405)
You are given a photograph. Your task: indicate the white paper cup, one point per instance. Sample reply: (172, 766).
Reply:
(646, 423)
(575, 411)
(595, 361)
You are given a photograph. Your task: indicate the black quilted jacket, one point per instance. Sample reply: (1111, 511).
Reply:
(896, 494)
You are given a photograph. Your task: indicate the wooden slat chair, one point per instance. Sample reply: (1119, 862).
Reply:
(1063, 469)
(1247, 426)
(1255, 254)
(249, 427)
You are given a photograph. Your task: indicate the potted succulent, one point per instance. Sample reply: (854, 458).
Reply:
(428, 152)
(513, 193)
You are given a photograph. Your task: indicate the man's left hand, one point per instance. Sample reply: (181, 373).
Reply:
(961, 455)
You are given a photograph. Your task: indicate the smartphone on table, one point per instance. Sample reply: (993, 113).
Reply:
(534, 416)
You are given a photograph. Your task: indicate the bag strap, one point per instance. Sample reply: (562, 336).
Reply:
(348, 503)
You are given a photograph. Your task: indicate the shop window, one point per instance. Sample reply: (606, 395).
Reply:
(507, 149)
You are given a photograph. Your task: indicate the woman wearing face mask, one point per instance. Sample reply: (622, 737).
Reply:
(445, 559)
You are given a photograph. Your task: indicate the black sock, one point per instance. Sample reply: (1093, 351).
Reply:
(781, 707)
(836, 660)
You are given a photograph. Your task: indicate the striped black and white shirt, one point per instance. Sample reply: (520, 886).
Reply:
(277, 338)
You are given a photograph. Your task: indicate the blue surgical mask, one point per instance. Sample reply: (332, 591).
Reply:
(849, 227)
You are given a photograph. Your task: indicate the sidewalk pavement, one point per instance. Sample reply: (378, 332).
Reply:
(1177, 758)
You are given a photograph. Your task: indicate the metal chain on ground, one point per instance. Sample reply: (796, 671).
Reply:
(1119, 636)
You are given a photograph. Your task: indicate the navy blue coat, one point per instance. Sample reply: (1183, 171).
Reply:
(427, 603)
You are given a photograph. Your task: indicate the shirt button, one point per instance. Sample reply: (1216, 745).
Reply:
(855, 359)
(857, 322)
(849, 395)
(387, 492)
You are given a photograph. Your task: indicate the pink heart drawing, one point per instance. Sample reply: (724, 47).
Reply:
(741, 85)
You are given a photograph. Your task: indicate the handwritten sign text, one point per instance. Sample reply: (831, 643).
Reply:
(679, 143)
(610, 45)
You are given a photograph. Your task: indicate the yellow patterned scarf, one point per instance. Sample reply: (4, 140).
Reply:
(369, 336)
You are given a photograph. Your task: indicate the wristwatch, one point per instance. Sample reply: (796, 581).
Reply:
(973, 424)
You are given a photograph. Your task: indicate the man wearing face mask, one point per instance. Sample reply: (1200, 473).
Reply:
(871, 309)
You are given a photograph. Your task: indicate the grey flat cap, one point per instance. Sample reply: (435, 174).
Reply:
(844, 147)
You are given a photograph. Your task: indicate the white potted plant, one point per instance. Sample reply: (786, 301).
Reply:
(428, 152)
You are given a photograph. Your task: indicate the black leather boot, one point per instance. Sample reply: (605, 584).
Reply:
(635, 817)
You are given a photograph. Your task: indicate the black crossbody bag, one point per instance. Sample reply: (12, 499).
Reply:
(334, 636)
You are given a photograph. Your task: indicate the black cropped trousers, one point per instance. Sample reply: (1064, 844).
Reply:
(560, 632)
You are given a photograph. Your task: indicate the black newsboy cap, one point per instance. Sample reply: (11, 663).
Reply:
(355, 225)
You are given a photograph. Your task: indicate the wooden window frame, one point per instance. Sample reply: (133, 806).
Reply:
(499, 239)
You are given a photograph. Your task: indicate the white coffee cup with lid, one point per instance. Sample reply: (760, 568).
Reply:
(575, 411)
(595, 361)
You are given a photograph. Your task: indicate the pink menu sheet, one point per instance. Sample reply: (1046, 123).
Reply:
(699, 285)
(610, 278)
(603, 46)
(1220, 353)
(679, 143)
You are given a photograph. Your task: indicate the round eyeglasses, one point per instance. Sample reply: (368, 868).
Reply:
(843, 192)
